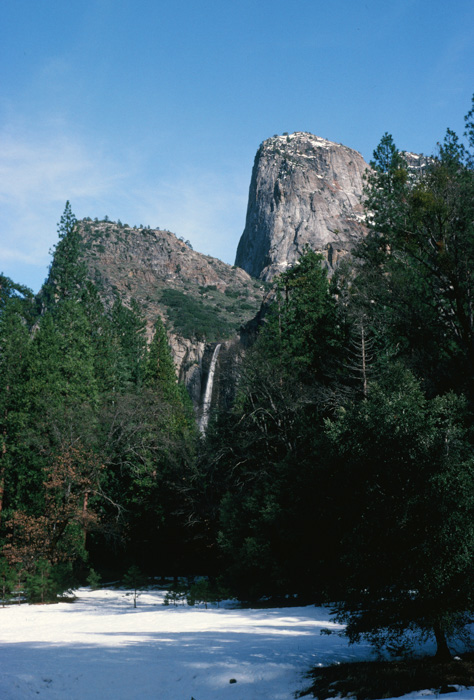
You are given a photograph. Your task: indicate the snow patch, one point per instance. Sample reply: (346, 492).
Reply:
(101, 648)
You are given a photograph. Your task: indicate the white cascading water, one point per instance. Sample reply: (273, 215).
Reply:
(206, 404)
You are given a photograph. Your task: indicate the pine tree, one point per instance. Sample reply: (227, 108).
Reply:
(417, 262)
(67, 273)
(302, 325)
(128, 324)
(160, 371)
(62, 364)
(135, 580)
(16, 313)
(403, 507)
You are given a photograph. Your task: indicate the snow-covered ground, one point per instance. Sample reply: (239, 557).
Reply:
(100, 648)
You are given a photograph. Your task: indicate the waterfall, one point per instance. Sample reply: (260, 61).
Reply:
(206, 404)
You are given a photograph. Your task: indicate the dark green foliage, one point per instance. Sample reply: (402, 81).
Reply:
(405, 505)
(62, 363)
(16, 314)
(48, 581)
(135, 579)
(148, 441)
(94, 579)
(401, 455)
(200, 592)
(303, 331)
(129, 327)
(67, 274)
(196, 592)
(176, 594)
(73, 396)
(10, 290)
(160, 371)
(416, 268)
(147, 436)
(193, 319)
(383, 366)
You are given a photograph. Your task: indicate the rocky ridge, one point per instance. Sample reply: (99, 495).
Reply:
(304, 190)
(200, 299)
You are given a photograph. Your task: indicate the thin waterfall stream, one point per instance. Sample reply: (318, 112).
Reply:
(206, 404)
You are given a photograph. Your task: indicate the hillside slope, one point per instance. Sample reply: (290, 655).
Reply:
(201, 299)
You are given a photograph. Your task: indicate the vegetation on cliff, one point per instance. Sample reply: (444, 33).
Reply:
(200, 297)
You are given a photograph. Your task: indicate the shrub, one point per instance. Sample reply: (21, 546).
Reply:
(93, 579)
(47, 581)
(135, 580)
(177, 593)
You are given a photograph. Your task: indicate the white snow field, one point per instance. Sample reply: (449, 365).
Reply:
(100, 648)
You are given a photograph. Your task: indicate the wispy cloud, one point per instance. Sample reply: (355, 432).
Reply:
(41, 168)
(38, 173)
(49, 169)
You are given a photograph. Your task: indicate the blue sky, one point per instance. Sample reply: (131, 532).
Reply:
(151, 112)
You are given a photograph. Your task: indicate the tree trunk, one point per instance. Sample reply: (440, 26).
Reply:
(2, 489)
(442, 649)
(2, 470)
(364, 359)
(84, 517)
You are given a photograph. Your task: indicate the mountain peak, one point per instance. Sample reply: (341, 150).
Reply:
(305, 190)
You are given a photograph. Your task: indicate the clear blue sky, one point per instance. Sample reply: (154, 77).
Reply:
(151, 112)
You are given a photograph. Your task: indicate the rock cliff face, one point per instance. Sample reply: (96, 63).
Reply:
(201, 299)
(304, 191)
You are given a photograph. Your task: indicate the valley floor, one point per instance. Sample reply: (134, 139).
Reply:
(100, 648)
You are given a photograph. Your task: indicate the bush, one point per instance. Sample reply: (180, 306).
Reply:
(94, 579)
(48, 581)
(177, 593)
(203, 591)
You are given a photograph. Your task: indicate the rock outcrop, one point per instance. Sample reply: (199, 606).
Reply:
(201, 300)
(304, 190)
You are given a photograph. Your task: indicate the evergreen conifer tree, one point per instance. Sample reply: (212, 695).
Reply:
(128, 324)
(160, 371)
(416, 265)
(15, 316)
(67, 273)
(403, 507)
